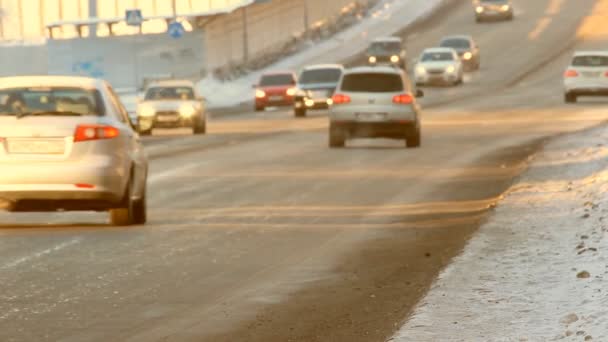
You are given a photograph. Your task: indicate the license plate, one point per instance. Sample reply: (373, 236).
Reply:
(591, 74)
(36, 146)
(319, 95)
(167, 118)
(371, 117)
(276, 98)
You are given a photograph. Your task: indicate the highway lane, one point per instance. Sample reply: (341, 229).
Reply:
(259, 232)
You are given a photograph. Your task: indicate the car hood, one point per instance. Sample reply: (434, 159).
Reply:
(318, 86)
(436, 65)
(172, 105)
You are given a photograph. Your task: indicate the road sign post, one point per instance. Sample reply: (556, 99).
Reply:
(134, 17)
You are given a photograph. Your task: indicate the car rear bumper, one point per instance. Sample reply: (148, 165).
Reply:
(387, 129)
(103, 180)
(587, 90)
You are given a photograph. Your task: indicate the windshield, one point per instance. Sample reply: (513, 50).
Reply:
(590, 61)
(170, 93)
(277, 80)
(456, 43)
(55, 100)
(372, 83)
(437, 57)
(320, 76)
(384, 48)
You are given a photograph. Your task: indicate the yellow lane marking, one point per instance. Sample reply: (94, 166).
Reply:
(595, 25)
(541, 26)
(555, 6)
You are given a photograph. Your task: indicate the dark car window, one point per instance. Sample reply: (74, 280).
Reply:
(590, 61)
(372, 83)
(170, 93)
(456, 43)
(384, 48)
(437, 57)
(320, 76)
(51, 99)
(277, 80)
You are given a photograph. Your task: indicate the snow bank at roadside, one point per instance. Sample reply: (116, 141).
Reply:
(537, 270)
(387, 18)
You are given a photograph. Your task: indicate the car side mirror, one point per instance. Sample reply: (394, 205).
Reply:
(419, 93)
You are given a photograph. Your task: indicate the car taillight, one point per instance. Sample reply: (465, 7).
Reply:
(340, 99)
(605, 74)
(95, 132)
(571, 73)
(403, 99)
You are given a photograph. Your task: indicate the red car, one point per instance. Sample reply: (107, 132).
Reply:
(275, 89)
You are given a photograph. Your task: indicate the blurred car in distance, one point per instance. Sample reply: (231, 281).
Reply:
(275, 89)
(375, 102)
(316, 86)
(439, 66)
(172, 104)
(493, 10)
(66, 144)
(387, 51)
(587, 75)
(467, 49)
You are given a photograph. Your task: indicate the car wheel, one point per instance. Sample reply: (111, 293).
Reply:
(477, 19)
(570, 98)
(414, 140)
(300, 112)
(200, 128)
(140, 210)
(259, 108)
(125, 215)
(146, 132)
(336, 137)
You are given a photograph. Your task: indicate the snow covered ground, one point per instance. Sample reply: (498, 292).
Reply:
(388, 17)
(537, 271)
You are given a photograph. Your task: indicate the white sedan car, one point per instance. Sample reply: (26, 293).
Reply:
(587, 75)
(67, 144)
(439, 66)
(375, 102)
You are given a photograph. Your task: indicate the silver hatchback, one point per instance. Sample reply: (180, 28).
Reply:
(375, 102)
(66, 143)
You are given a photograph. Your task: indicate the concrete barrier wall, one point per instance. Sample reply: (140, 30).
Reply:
(23, 60)
(270, 25)
(127, 60)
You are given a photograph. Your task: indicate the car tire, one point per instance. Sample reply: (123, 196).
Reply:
(259, 108)
(200, 128)
(140, 210)
(299, 112)
(570, 98)
(477, 19)
(336, 137)
(146, 132)
(414, 140)
(125, 215)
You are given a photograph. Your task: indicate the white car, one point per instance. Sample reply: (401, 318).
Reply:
(67, 144)
(375, 102)
(172, 104)
(439, 66)
(587, 75)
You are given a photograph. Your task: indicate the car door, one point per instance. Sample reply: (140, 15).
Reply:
(134, 148)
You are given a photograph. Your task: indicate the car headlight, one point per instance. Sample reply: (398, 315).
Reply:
(467, 56)
(479, 9)
(260, 94)
(373, 59)
(420, 69)
(450, 70)
(309, 103)
(291, 91)
(146, 111)
(395, 59)
(187, 111)
(505, 8)
(330, 102)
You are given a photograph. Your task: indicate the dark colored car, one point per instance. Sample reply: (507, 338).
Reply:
(387, 51)
(316, 86)
(493, 9)
(275, 89)
(467, 49)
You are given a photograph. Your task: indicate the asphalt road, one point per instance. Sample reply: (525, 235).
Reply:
(259, 232)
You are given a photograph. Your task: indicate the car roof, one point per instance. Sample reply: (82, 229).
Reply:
(591, 53)
(373, 69)
(171, 83)
(438, 49)
(324, 66)
(50, 81)
(387, 39)
(278, 72)
(458, 36)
